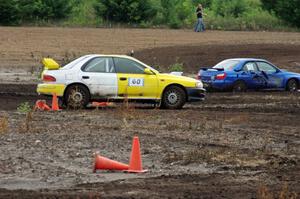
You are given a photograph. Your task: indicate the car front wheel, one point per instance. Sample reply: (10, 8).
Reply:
(77, 96)
(292, 85)
(174, 97)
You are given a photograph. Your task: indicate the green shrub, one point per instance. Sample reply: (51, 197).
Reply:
(260, 20)
(221, 14)
(83, 14)
(226, 8)
(177, 67)
(24, 107)
(288, 10)
(126, 11)
(205, 3)
(16, 12)
(252, 19)
(44, 9)
(9, 12)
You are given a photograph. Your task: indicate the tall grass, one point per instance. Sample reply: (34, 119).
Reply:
(3, 124)
(83, 14)
(252, 20)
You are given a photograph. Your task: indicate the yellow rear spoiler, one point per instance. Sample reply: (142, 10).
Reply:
(50, 64)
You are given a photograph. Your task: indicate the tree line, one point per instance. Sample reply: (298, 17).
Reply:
(221, 14)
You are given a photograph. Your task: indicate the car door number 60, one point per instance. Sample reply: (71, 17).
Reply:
(136, 82)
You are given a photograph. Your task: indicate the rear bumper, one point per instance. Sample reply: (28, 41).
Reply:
(195, 94)
(49, 89)
(217, 85)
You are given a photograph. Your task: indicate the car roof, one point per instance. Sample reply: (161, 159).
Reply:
(110, 55)
(114, 55)
(247, 59)
(119, 56)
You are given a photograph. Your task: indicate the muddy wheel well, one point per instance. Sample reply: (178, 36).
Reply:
(239, 80)
(75, 84)
(178, 85)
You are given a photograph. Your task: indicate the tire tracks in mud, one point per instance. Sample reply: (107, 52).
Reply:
(11, 95)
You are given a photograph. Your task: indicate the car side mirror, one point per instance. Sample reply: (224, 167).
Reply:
(147, 71)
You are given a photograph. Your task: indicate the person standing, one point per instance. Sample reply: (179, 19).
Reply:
(200, 27)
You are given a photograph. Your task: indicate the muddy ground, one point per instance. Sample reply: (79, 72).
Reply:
(230, 146)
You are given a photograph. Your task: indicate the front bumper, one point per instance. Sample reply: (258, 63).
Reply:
(195, 94)
(49, 89)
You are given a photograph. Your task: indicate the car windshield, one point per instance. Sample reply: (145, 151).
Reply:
(73, 63)
(227, 65)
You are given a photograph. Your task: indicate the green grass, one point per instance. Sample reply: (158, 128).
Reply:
(83, 14)
(254, 19)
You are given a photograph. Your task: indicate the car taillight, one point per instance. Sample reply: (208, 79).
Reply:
(48, 78)
(221, 76)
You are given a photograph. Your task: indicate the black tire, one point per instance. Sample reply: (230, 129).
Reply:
(292, 85)
(173, 97)
(77, 96)
(239, 86)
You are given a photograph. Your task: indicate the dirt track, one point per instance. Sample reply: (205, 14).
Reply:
(227, 147)
(23, 48)
(230, 146)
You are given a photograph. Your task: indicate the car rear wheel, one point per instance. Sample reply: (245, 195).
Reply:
(174, 97)
(239, 86)
(77, 96)
(292, 85)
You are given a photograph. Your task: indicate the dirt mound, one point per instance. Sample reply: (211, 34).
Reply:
(12, 95)
(194, 57)
(18, 89)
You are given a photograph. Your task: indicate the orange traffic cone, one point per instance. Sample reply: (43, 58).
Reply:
(135, 164)
(55, 106)
(103, 163)
(101, 104)
(41, 105)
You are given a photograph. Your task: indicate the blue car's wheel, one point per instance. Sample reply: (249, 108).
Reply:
(239, 86)
(292, 85)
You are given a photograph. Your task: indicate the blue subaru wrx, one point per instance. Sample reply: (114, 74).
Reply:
(243, 74)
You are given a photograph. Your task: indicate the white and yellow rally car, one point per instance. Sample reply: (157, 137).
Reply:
(115, 78)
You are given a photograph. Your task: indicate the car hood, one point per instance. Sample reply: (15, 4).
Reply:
(291, 73)
(176, 77)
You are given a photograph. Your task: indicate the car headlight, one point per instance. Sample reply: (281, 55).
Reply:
(199, 84)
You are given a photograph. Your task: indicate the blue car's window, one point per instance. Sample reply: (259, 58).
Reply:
(263, 66)
(227, 65)
(250, 66)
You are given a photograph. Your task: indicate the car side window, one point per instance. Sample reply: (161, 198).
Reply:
(100, 65)
(250, 66)
(263, 66)
(124, 65)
